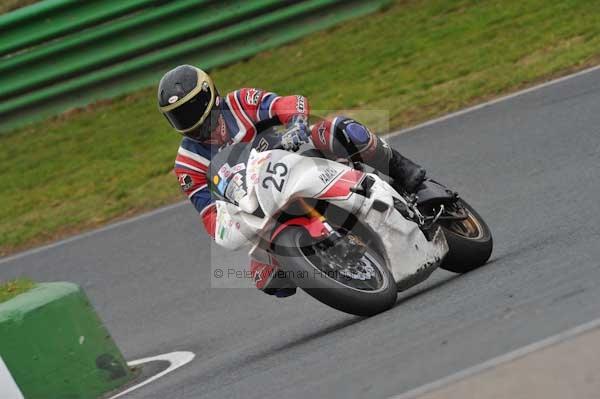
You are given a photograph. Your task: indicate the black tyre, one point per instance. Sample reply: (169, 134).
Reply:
(297, 255)
(469, 240)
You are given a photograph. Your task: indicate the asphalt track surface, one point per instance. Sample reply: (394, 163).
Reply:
(529, 164)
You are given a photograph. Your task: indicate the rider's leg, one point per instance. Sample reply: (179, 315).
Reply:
(346, 138)
(269, 279)
(406, 173)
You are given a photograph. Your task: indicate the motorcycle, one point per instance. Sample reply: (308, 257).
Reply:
(342, 234)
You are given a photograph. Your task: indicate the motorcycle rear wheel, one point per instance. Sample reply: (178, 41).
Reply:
(297, 256)
(470, 242)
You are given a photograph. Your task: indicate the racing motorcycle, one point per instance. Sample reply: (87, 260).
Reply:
(342, 234)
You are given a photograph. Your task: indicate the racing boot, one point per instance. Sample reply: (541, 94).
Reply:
(269, 279)
(406, 174)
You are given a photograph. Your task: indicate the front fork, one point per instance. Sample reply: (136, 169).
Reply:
(332, 243)
(312, 213)
(313, 222)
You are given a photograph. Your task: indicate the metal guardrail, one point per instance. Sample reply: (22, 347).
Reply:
(58, 54)
(58, 18)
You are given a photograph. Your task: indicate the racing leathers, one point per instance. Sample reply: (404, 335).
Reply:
(247, 112)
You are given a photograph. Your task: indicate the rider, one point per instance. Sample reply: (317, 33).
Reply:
(190, 101)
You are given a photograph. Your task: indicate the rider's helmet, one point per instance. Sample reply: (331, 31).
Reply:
(189, 100)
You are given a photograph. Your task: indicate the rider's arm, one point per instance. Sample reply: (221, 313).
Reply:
(285, 108)
(193, 184)
(252, 107)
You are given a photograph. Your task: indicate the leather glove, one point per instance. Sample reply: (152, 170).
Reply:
(296, 134)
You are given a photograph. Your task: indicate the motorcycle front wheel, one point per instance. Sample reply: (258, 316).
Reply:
(365, 289)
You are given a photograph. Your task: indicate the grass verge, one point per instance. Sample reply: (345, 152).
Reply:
(417, 59)
(11, 289)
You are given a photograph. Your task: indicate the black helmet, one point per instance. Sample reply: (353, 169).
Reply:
(187, 98)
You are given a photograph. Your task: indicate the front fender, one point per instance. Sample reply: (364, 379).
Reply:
(314, 226)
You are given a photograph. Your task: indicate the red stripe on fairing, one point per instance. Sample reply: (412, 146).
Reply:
(190, 161)
(242, 117)
(341, 187)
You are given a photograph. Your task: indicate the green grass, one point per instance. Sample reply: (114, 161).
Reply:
(417, 59)
(11, 289)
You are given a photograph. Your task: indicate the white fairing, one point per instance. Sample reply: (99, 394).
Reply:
(276, 177)
(235, 228)
(411, 256)
(293, 176)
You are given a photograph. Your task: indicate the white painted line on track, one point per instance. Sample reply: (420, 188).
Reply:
(8, 386)
(177, 360)
(492, 102)
(496, 361)
(389, 135)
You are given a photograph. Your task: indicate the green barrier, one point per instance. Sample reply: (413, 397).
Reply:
(71, 18)
(173, 52)
(168, 30)
(133, 51)
(86, 39)
(55, 346)
(36, 11)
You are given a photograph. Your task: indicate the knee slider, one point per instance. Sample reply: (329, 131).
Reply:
(357, 133)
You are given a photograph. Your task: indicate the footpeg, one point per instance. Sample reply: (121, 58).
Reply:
(437, 216)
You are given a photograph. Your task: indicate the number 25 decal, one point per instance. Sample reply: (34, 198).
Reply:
(279, 170)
